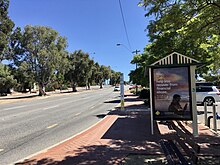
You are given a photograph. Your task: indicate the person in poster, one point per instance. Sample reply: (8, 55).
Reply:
(175, 106)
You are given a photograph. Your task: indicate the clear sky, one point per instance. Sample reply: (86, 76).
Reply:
(95, 26)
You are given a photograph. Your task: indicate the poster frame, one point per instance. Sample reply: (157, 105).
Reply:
(156, 117)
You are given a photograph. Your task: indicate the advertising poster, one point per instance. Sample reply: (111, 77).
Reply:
(171, 93)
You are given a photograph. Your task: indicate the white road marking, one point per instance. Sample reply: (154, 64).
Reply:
(77, 114)
(63, 98)
(1, 150)
(51, 107)
(52, 126)
(22, 106)
(92, 107)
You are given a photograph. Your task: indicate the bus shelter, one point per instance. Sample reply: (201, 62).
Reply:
(173, 89)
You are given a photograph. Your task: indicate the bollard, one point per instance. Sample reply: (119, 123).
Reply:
(209, 118)
(205, 114)
(214, 118)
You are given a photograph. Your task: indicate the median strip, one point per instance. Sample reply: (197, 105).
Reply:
(52, 126)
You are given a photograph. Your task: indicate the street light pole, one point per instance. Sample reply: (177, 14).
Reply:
(132, 52)
(136, 52)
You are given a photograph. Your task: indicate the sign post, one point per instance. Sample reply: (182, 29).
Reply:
(122, 90)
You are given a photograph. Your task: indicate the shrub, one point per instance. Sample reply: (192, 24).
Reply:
(145, 94)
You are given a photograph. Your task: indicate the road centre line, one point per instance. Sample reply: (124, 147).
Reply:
(63, 98)
(92, 107)
(78, 114)
(52, 126)
(51, 107)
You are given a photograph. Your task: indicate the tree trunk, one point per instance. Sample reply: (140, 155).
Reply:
(88, 86)
(74, 87)
(100, 83)
(42, 90)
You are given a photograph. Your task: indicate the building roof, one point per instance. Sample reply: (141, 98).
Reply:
(176, 59)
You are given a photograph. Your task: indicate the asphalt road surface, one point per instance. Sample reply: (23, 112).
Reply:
(30, 126)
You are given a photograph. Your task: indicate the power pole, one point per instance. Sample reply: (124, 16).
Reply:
(136, 52)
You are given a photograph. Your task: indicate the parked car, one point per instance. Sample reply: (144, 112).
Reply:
(204, 84)
(116, 88)
(208, 94)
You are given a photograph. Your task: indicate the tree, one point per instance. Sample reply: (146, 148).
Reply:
(61, 69)
(91, 73)
(138, 76)
(6, 26)
(24, 77)
(79, 69)
(103, 73)
(115, 77)
(7, 81)
(188, 27)
(43, 51)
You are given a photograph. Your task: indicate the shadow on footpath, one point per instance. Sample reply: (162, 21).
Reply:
(130, 133)
(125, 100)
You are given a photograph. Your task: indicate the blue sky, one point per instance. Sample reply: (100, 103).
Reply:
(95, 26)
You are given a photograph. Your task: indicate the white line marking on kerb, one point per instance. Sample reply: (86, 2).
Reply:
(52, 126)
(22, 106)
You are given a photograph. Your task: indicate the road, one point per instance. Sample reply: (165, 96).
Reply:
(30, 126)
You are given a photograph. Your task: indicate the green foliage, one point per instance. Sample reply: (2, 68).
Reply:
(7, 81)
(43, 52)
(145, 94)
(24, 77)
(6, 26)
(188, 27)
(115, 78)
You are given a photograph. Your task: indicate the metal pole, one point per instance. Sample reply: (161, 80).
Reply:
(136, 82)
(205, 114)
(194, 108)
(136, 52)
(151, 102)
(122, 90)
(214, 118)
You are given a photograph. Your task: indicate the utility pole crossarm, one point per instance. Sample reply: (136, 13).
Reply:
(136, 51)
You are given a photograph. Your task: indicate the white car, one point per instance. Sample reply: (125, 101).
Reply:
(117, 88)
(208, 94)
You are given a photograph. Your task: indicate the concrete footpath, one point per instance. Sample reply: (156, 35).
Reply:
(122, 137)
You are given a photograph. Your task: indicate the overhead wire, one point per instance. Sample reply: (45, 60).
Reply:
(125, 28)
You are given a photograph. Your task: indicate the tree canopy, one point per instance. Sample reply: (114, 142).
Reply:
(191, 28)
(6, 26)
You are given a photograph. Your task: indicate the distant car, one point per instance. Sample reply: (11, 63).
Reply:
(116, 88)
(208, 94)
(134, 86)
